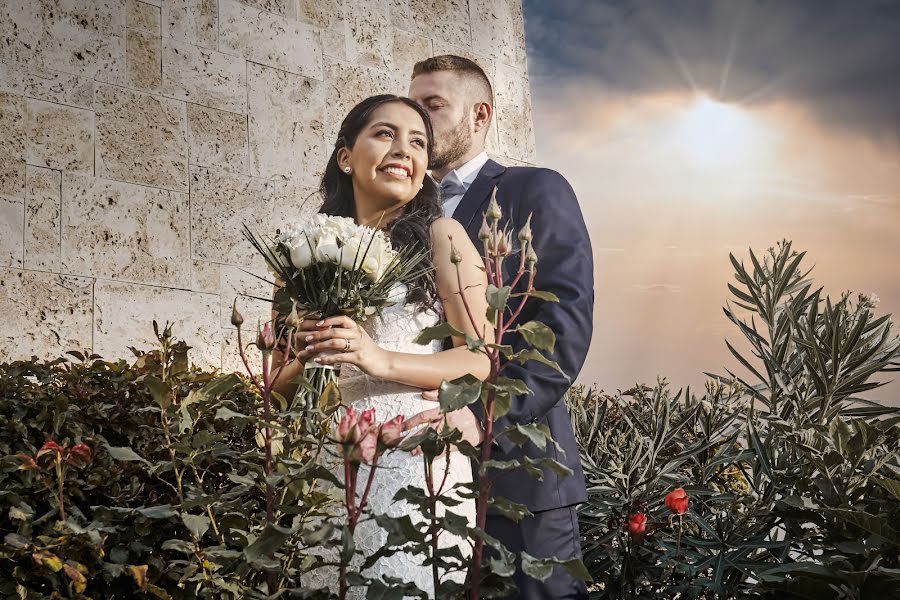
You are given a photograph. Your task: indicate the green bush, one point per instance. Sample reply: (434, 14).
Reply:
(170, 501)
(794, 480)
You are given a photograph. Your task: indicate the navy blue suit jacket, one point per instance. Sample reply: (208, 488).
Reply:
(565, 267)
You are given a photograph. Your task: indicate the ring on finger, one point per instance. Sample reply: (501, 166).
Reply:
(347, 345)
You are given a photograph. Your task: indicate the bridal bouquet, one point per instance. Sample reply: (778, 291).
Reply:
(329, 266)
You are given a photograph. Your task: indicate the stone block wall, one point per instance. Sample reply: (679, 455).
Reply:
(136, 137)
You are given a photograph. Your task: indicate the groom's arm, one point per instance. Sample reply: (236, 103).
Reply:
(565, 267)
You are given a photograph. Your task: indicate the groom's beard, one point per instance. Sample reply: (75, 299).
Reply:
(455, 145)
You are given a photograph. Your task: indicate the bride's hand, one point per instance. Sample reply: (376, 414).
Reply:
(348, 340)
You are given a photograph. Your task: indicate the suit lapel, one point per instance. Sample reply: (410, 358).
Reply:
(478, 193)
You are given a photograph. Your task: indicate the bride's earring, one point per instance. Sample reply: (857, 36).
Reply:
(347, 170)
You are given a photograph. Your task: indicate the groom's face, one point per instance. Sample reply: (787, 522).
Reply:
(445, 96)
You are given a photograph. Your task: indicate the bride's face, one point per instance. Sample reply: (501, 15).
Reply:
(388, 159)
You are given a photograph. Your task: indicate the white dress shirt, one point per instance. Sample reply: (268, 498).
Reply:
(464, 175)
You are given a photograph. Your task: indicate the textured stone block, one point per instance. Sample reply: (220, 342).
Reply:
(370, 36)
(513, 110)
(60, 137)
(122, 231)
(124, 314)
(327, 17)
(143, 16)
(445, 20)
(84, 37)
(498, 30)
(205, 276)
(347, 85)
(141, 138)
(12, 224)
(42, 219)
(191, 21)
(285, 8)
(205, 77)
(287, 122)
(408, 49)
(217, 138)
(51, 86)
(144, 60)
(221, 203)
(44, 314)
(12, 145)
(237, 285)
(269, 39)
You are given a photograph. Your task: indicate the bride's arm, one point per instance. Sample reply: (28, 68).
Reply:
(425, 371)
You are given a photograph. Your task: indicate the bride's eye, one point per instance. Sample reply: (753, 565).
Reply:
(386, 131)
(419, 142)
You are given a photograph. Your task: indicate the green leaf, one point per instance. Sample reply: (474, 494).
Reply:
(226, 413)
(441, 332)
(161, 511)
(459, 393)
(511, 510)
(536, 568)
(270, 540)
(891, 485)
(538, 435)
(575, 567)
(196, 524)
(124, 453)
(214, 388)
(498, 297)
(159, 391)
(538, 335)
(761, 453)
(523, 356)
(540, 294)
(871, 523)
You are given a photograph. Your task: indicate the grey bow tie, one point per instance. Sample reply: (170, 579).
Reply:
(451, 186)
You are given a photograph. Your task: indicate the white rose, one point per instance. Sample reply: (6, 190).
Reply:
(326, 248)
(300, 251)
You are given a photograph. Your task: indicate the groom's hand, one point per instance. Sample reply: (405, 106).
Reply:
(462, 419)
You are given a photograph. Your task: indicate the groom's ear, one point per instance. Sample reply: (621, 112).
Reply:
(483, 113)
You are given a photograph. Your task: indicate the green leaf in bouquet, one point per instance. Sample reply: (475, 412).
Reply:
(538, 335)
(459, 393)
(497, 297)
(438, 332)
(330, 400)
(536, 568)
(537, 434)
(549, 464)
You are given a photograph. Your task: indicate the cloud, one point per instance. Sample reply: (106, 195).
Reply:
(840, 58)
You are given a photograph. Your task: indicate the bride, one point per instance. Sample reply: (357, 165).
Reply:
(377, 175)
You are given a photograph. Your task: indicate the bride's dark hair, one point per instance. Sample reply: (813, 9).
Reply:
(412, 226)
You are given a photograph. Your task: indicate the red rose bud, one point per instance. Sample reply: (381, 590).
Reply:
(79, 455)
(366, 448)
(455, 256)
(392, 432)
(49, 448)
(28, 463)
(530, 256)
(348, 422)
(677, 500)
(266, 338)
(363, 425)
(637, 524)
(504, 244)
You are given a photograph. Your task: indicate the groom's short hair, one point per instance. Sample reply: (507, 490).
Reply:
(462, 66)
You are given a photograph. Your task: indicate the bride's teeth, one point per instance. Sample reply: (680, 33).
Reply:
(396, 171)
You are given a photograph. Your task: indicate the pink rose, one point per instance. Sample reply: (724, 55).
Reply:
(79, 455)
(677, 500)
(637, 524)
(348, 422)
(392, 432)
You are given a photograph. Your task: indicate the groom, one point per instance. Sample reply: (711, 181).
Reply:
(458, 96)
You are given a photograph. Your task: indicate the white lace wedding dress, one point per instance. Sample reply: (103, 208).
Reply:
(395, 330)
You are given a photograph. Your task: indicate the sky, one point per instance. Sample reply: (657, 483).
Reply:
(692, 129)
